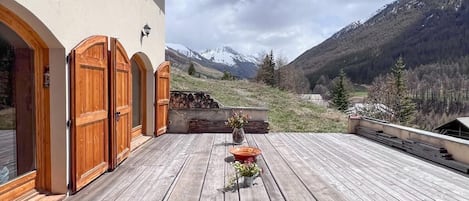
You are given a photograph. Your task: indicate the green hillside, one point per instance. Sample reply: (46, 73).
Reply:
(287, 113)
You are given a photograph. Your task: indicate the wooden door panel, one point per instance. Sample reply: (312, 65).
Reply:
(162, 76)
(121, 91)
(89, 110)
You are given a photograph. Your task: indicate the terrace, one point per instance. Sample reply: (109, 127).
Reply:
(297, 166)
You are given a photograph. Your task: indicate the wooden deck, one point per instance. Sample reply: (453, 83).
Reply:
(296, 167)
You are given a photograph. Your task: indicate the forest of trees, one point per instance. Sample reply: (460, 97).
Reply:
(440, 92)
(271, 72)
(392, 91)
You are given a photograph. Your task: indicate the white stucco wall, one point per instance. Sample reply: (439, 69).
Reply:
(64, 24)
(73, 21)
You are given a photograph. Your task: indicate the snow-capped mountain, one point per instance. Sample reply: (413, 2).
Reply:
(181, 49)
(348, 28)
(222, 59)
(227, 55)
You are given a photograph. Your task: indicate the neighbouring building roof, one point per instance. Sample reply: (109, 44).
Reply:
(361, 108)
(458, 121)
(314, 98)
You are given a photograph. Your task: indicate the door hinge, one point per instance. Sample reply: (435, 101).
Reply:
(46, 81)
(69, 123)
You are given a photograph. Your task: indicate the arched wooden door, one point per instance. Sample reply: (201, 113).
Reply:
(121, 103)
(162, 76)
(89, 110)
(101, 106)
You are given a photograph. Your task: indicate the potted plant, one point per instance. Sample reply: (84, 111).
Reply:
(249, 170)
(237, 121)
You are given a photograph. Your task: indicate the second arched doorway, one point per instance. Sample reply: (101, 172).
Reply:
(139, 97)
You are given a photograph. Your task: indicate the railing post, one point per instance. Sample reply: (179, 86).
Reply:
(353, 122)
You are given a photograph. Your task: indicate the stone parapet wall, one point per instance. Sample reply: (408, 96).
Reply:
(211, 126)
(458, 148)
(198, 120)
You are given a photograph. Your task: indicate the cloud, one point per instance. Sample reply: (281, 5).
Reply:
(253, 26)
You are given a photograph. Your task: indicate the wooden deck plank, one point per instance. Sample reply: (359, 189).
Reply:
(363, 169)
(289, 184)
(381, 174)
(415, 185)
(319, 163)
(296, 167)
(439, 172)
(428, 184)
(160, 184)
(354, 179)
(190, 182)
(373, 174)
(340, 172)
(139, 183)
(123, 175)
(214, 179)
(412, 174)
(257, 191)
(319, 188)
(160, 173)
(108, 183)
(155, 150)
(230, 171)
(268, 180)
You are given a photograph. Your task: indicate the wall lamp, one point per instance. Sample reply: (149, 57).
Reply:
(146, 30)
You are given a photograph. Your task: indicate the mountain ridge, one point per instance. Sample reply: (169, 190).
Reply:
(222, 59)
(411, 28)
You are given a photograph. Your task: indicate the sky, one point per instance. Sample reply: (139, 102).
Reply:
(254, 27)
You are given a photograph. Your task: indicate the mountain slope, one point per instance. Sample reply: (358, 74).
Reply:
(221, 59)
(287, 112)
(422, 31)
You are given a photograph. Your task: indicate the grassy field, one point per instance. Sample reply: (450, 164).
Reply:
(287, 113)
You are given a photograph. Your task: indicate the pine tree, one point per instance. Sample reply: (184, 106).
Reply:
(227, 76)
(270, 80)
(266, 71)
(340, 95)
(403, 107)
(191, 70)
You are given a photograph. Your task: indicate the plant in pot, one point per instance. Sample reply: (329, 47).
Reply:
(237, 121)
(249, 170)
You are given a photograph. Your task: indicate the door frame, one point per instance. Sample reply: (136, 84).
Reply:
(143, 96)
(41, 177)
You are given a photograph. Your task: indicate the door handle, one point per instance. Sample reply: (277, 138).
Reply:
(118, 116)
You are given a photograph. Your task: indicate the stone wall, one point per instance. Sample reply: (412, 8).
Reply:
(198, 112)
